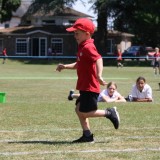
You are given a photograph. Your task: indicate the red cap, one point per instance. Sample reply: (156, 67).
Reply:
(83, 24)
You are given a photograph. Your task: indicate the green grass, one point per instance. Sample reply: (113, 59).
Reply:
(38, 122)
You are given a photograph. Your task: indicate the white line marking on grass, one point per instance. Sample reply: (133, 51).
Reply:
(41, 130)
(47, 78)
(75, 129)
(80, 151)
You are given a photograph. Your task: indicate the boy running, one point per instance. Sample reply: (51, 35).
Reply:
(89, 66)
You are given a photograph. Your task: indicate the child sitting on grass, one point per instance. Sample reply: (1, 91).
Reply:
(110, 94)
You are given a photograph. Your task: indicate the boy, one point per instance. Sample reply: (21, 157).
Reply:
(156, 60)
(4, 53)
(89, 66)
(119, 58)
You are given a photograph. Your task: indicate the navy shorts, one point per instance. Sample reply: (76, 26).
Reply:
(88, 101)
(156, 64)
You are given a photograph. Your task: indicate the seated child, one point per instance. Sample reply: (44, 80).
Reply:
(141, 91)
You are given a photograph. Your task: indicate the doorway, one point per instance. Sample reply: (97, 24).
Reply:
(39, 46)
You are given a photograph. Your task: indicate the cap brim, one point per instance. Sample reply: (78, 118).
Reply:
(71, 29)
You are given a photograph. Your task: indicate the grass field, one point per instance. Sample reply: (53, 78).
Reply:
(37, 122)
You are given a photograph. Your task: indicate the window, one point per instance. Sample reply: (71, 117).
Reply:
(43, 46)
(48, 21)
(57, 46)
(71, 22)
(1, 45)
(110, 47)
(21, 46)
(28, 22)
(6, 25)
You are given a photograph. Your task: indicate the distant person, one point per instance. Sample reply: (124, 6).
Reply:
(141, 91)
(49, 51)
(4, 53)
(110, 94)
(156, 61)
(119, 58)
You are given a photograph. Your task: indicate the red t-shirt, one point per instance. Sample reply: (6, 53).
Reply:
(86, 67)
(4, 52)
(156, 55)
(119, 54)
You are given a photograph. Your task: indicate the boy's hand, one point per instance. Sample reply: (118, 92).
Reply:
(101, 81)
(60, 67)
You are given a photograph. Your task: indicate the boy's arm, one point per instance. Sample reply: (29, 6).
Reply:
(66, 66)
(99, 66)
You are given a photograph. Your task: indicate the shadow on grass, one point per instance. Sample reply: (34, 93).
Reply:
(42, 142)
(50, 142)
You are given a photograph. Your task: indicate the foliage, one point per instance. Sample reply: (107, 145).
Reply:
(7, 6)
(140, 17)
(50, 4)
(101, 35)
(6, 9)
(103, 10)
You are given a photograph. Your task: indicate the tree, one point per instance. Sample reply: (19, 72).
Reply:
(50, 4)
(102, 7)
(147, 22)
(101, 34)
(6, 9)
(140, 17)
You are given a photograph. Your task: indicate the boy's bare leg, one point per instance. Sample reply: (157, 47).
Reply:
(110, 113)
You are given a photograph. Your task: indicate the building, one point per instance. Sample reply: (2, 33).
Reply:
(42, 33)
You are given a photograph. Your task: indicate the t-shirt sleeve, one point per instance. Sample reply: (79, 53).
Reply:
(92, 53)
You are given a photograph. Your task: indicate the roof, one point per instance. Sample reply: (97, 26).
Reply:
(118, 33)
(31, 29)
(50, 29)
(66, 11)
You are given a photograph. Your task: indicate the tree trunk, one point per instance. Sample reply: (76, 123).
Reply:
(101, 34)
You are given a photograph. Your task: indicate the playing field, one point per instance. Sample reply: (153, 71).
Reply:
(37, 122)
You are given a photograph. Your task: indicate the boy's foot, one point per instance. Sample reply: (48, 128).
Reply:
(84, 139)
(113, 116)
(70, 98)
